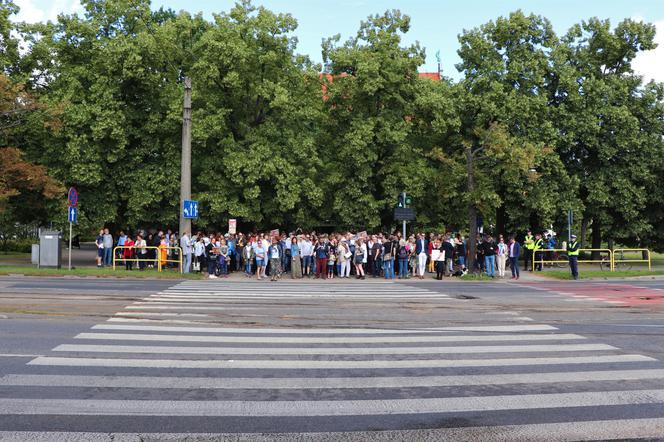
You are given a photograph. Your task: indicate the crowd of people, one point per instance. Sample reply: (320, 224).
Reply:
(322, 256)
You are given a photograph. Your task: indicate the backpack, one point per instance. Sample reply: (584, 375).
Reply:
(403, 253)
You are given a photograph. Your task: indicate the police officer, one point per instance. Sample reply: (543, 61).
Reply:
(573, 255)
(537, 247)
(529, 244)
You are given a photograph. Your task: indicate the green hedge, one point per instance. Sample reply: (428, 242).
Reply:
(17, 245)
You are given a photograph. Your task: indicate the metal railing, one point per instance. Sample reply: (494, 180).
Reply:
(543, 261)
(544, 252)
(622, 259)
(159, 252)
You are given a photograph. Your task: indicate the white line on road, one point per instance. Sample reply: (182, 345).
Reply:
(554, 432)
(16, 355)
(170, 382)
(326, 340)
(483, 328)
(327, 408)
(333, 351)
(194, 315)
(330, 364)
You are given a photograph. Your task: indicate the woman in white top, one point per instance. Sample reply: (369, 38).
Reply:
(344, 256)
(141, 245)
(501, 257)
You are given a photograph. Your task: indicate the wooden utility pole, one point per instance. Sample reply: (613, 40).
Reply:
(185, 166)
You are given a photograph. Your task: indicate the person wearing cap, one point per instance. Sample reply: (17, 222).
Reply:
(573, 256)
(529, 245)
(537, 248)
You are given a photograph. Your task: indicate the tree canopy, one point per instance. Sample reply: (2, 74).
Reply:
(552, 122)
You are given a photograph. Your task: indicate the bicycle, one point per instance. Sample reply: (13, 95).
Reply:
(560, 260)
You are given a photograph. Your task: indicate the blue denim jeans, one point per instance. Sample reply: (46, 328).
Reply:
(462, 261)
(186, 265)
(306, 263)
(490, 265)
(108, 255)
(403, 268)
(389, 268)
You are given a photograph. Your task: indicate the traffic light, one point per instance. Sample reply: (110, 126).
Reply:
(400, 201)
(409, 200)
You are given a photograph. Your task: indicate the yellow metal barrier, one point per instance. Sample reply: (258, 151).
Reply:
(608, 252)
(548, 261)
(158, 253)
(623, 260)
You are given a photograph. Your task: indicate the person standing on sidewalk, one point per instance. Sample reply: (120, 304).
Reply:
(322, 254)
(489, 248)
(185, 245)
(296, 263)
(537, 248)
(275, 253)
(514, 251)
(501, 256)
(573, 256)
(108, 247)
(529, 245)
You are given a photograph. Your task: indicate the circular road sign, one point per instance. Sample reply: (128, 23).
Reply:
(72, 197)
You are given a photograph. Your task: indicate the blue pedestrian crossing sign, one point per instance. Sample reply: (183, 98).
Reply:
(190, 209)
(73, 215)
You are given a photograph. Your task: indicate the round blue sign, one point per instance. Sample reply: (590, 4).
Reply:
(72, 197)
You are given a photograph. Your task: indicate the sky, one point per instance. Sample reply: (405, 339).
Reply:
(435, 24)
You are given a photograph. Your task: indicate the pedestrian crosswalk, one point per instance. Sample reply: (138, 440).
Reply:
(141, 371)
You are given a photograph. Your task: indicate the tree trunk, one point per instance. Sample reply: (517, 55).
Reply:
(472, 212)
(500, 222)
(584, 231)
(597, 239)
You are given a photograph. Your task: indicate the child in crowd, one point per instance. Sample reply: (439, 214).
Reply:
(331, 261)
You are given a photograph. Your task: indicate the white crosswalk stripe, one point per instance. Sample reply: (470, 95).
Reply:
(168, 356)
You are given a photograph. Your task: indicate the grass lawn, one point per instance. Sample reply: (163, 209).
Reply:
(10, 255)
(95, 272)
(599, 274)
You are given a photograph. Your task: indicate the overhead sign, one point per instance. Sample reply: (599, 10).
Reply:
(190, 209)
(72, 197)
(232, 226)
(404, 214)
(73, 215)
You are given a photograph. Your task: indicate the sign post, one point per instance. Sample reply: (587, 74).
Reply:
(72, 216)
(232, 226)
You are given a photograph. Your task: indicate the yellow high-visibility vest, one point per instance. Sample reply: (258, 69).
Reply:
(529, 242)
(573, 249)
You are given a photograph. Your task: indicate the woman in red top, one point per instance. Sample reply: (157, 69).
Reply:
(128, 253)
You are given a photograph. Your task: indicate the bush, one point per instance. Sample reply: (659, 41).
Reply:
(17, 245)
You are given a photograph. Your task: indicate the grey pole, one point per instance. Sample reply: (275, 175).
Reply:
(70, 230)
(185, 166)
(403, 196)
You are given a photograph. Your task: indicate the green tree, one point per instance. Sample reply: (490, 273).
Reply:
(608, 134)
(507, 75)
(257, 110)
(371, 95)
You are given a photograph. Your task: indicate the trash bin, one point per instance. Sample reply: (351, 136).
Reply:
(50, 250)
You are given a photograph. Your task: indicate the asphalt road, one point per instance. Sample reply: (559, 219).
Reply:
(88, 359)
